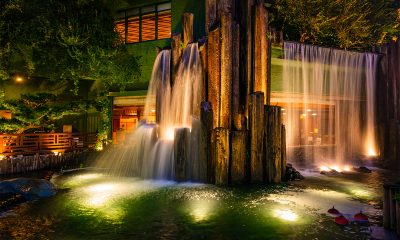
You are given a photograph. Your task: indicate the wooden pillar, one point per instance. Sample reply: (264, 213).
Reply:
(214, 73)
(246, 52)
(181, 152)
(238, 156)
(206, 120)
(187, 26)
(273, 143)
(221, 155)
(176, 54)
(203, 58)
(283, 152)
(256, 127)
(226, 70)
(211, 14)
(224, 6)
(236, 111)
(260, 50)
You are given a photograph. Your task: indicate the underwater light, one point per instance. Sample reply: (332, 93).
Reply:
(324, 168)
(201, 210)
(286, 215)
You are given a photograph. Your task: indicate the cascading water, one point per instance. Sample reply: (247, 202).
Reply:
(329, 109)
(149, 151)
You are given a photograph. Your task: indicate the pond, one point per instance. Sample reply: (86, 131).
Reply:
(91, 205)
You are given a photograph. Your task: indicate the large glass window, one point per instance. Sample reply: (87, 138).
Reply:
(144, 24)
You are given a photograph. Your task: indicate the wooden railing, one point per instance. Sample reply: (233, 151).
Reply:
(27, 144)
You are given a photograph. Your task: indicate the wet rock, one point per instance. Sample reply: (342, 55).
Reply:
(29, 188)
(362, 169)
(332, 172)
(292, 174)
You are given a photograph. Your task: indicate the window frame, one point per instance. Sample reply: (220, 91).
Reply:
(140, 14)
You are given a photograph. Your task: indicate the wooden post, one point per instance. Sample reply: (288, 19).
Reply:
(226, 70)
(211, 14)
(224, 6)
(181, 152)
(206, 119)
(238, 156)
(214, 73)
(176, 54)
(273, 143)
(260, 50)
(187, 26)
(203, 58)
(283, 152)
(236, 113)
(256, 126)
(221, 155)
(246, 52)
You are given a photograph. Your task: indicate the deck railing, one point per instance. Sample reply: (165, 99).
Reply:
(42, 143)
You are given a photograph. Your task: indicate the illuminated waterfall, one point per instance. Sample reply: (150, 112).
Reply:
(149, 151)
(330, 104)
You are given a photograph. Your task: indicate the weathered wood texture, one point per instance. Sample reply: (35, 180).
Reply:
(23, 164)
(203, 59)
(187, 26)
(211, 14)
(388, 100)
(224, 6)
(176, 54)
(283, 152)
(238, 166)
(260, 51)
(390, 207)
(221, 155)
(256, 127)
(206, 119)
(236, 111)
(273, 143)
(214, 73)
(181, 153)
(226, 71)
(246, 52)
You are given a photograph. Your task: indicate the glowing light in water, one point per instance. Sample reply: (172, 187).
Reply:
(324, 168)
(287, 215)
(201, 210)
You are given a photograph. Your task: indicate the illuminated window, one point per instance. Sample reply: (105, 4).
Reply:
(144, 24)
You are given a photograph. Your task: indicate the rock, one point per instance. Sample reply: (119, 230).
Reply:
(29, 188)
(292, 174)
(362, 169)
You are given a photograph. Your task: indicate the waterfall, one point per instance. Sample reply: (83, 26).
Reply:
(329, 104)
(149, 151)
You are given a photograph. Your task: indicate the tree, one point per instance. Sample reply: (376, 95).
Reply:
(346, 24)
(64, 40)
(42, 110)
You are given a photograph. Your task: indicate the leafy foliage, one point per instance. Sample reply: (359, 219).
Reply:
(41, 110)
(347, 24)
(64, 40)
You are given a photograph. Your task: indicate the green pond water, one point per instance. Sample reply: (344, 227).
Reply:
(91, 205)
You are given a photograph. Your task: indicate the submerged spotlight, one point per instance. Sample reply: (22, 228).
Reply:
(286, 215)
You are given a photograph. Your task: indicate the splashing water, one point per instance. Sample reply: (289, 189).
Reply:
(330, 108)
(149, 151)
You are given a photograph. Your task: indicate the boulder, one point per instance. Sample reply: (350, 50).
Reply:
(29, 188)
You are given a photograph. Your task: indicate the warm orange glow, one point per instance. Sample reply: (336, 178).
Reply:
(19, 79)
(371, 152)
